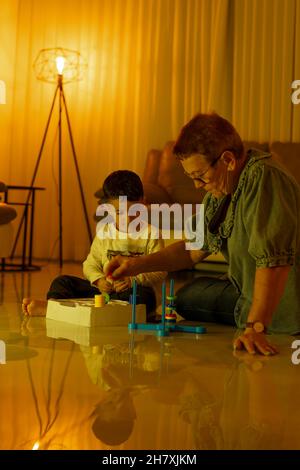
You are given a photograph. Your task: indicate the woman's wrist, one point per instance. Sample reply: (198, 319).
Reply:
(135, 266)
(257, 325)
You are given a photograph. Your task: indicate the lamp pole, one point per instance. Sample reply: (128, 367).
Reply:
(60, 62)
(60, 77)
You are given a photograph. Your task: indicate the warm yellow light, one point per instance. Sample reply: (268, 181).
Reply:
(60, 63)
(36, 445)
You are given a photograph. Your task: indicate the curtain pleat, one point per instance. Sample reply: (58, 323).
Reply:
(264, 52)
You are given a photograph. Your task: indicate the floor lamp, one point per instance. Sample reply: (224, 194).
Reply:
(58, 66)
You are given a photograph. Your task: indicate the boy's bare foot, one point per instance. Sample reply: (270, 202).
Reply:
(34, 308)
(25, 303)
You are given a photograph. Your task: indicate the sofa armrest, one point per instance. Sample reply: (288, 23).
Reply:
(287, 154)
(151, 171)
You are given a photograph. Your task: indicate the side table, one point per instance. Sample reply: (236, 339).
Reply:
(27, 220)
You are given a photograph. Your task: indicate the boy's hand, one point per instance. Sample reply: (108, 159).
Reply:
(104, 286)
(122, 284)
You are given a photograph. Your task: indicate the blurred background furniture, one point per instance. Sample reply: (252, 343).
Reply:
(7, 215)
(26, 228)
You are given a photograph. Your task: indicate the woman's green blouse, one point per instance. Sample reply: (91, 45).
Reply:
(260, 230)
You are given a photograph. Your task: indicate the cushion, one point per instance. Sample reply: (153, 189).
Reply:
(7, 213)
(155, 194)
(172, 178)
(288, 155)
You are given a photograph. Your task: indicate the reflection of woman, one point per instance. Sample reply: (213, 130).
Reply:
(254, 406)
(251, 216)
(202, 412)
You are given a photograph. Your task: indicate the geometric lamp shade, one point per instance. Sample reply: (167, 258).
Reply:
(45, 65)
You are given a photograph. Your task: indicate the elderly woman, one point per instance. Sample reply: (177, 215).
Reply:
(251, 216)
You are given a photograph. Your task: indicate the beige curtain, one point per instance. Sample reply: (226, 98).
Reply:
(265, 62)
(152, 64)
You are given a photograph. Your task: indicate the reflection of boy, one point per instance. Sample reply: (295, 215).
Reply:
(114, 416)
(119, 183)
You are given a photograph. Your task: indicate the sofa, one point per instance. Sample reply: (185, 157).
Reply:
(165, 182)
(7, 215)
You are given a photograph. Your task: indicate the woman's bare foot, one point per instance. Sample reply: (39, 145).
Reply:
(34, 308)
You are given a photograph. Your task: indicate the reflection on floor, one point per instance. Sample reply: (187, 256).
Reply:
(65, 387)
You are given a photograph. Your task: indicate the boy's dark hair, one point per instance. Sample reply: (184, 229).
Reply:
(123, 183)
(113, 432)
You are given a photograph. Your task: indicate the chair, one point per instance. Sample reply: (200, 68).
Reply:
(7, 215)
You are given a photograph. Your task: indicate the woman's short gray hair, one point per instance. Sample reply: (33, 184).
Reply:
(209, 135)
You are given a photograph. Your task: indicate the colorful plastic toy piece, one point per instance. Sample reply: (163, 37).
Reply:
(99, 300)
(106, 297)
(110, 278)
(171, 315)
(167, 324)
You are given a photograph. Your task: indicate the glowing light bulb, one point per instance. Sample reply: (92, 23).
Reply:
(36, 445)
(60, 63)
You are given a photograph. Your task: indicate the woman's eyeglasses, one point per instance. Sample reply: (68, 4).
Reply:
(196, 177)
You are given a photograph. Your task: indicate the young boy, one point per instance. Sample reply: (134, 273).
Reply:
(104, 248)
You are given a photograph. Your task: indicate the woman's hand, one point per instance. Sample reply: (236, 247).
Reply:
(104, 286)
(121, 266)
(254, 342)
(122, 284)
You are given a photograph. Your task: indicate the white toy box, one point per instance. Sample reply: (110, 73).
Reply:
(88, 336)
(84, 313)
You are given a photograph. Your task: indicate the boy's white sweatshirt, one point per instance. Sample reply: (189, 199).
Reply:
(104, 249)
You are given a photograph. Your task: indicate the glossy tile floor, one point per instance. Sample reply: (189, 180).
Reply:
(65, 387)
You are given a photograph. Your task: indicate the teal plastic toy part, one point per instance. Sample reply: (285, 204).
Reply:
(169, 327)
